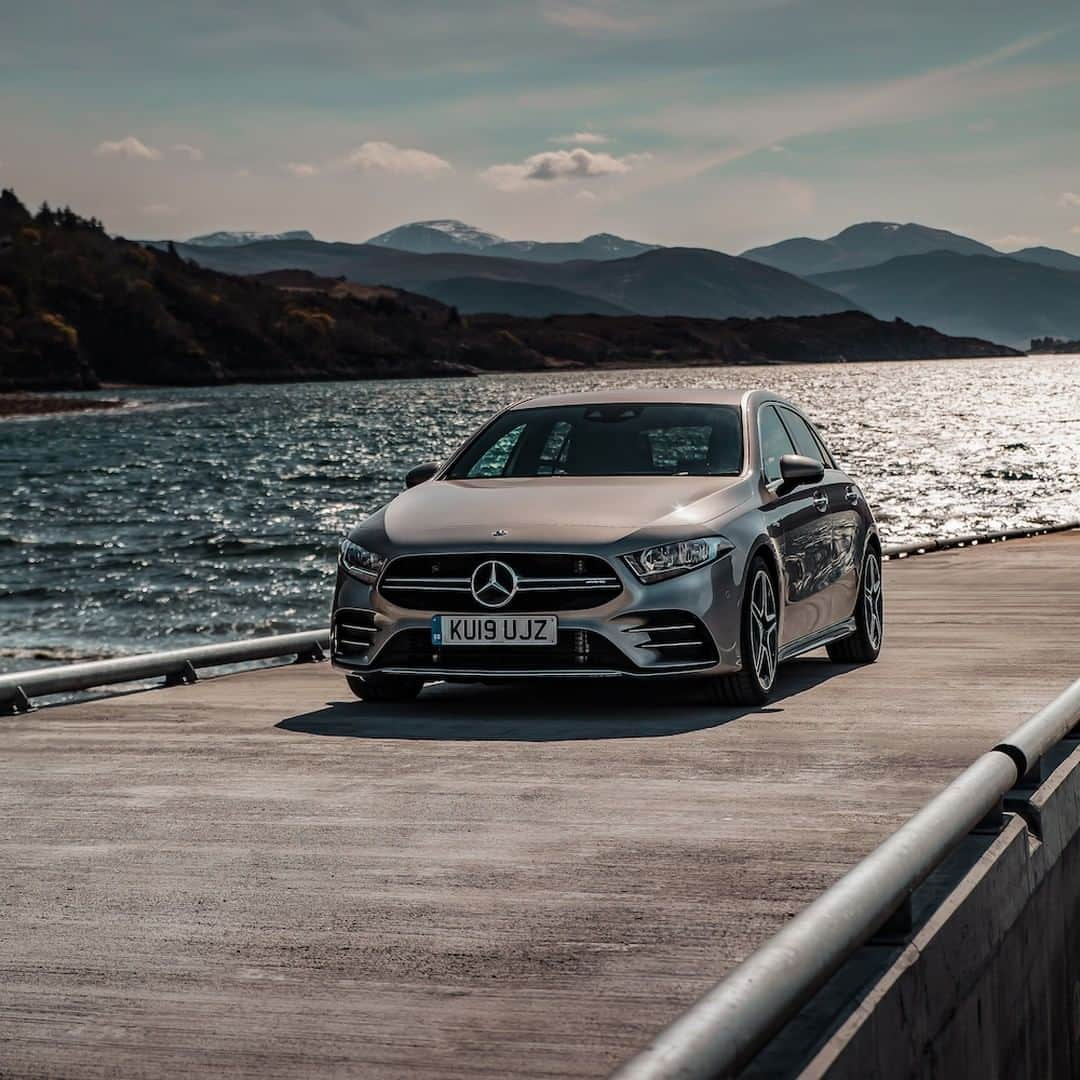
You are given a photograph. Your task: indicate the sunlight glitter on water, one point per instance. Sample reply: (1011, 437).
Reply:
(160, 526)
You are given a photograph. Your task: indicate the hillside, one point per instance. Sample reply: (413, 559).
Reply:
(664, 281)
(865, 244)
(477, 294)
(598, 246)
(974, 295)
(836, 338)
(1048, 256)
(699, 282)
(79, 308)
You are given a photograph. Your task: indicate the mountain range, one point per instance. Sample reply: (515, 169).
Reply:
(873, 242)
(79, 308)
(865, 244)
(449, 236)
(890, 269)
(664, 281)
(1005, 299)
(232, 238)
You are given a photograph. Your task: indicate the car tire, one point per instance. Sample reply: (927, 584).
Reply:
(376, 687)
(760, 643)
(864, 646)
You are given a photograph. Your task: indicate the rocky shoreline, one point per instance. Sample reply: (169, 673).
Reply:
(18, 404)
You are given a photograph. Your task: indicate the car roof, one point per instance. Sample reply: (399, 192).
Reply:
(646, 396)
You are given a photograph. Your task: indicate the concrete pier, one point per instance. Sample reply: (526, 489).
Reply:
(261, 876)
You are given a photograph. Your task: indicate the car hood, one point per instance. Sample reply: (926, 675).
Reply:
(555, 510)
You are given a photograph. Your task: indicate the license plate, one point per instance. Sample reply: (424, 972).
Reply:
(494, 630)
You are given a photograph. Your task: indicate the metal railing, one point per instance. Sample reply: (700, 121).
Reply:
(720, 1034)
(18, 688)
(924, 547)
(177, 666)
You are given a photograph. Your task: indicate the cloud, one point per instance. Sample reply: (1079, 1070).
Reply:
(584, 19)
(158, 210)
(388, 158)
(302, 168)
(760, 120)
(556, 166)
(1069, 199)
(128, 147)
(581, 138)
(189, 151)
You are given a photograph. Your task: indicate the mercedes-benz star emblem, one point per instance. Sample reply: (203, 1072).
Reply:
(494, 584)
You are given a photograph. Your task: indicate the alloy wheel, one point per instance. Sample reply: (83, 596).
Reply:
(872, 601)
(764, 627)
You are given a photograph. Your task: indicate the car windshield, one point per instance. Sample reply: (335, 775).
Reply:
(606, 440)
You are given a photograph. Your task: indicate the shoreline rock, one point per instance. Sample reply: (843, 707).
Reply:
(21, 404)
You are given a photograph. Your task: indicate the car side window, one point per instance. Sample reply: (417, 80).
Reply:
(827, 457)
(494, 460)
(775, 443)
(805, 443)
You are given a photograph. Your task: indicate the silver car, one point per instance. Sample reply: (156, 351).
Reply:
(644, 534)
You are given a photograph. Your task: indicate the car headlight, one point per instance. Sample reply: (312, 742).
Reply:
(668, 560)
(361, 563)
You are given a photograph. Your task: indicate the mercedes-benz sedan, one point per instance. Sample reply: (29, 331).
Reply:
(640, 535)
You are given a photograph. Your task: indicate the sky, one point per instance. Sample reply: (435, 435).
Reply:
(714, 123)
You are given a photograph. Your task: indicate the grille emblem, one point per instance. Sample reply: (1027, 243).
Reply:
(499, 532)
(494, 584)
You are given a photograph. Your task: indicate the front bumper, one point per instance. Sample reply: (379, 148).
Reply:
(616, 635)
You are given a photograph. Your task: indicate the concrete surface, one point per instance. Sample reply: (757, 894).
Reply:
(260, 875)
(990, 985)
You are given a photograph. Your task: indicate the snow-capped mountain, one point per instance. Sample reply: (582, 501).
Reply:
(230, 238)
(436, 237)
(457, 237)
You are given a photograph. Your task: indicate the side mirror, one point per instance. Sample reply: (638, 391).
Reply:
(419, 473)
(796, 469)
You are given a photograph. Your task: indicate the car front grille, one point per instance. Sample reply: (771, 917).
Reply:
(546, 582)
(575, 650)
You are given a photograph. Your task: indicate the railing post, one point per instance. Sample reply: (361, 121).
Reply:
(18, 703)
(312, 655)
(1020, 794)
(186, 676)
(993, 821)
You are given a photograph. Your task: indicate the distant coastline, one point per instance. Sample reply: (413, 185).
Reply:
(1053, 346)
(19, 404)
(24, 405)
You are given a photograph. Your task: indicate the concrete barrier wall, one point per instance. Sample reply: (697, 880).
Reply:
(989, 986)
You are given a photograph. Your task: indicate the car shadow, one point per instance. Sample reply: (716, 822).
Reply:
(548, 712)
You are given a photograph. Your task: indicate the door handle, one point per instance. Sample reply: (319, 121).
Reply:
(821, 501)
(851, 495)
